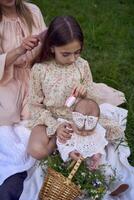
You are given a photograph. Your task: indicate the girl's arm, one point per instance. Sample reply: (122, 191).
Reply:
(100, 92)
(87, 79)
(38, 113)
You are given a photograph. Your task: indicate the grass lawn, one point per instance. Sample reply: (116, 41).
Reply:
(108, 27)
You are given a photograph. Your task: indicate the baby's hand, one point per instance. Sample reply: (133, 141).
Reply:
(64, 132)
(95, 161)
(75, 155)
(79, 91)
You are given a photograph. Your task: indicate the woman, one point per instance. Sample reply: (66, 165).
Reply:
(20, 26)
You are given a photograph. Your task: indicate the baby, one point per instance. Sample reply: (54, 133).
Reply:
(88, 140)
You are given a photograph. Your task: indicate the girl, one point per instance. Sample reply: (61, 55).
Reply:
(20, 24)
(61, 72)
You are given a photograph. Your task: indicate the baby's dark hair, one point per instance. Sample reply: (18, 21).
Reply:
(61, 31)
(87, 107)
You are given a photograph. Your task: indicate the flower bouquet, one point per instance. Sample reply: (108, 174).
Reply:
(91, 184)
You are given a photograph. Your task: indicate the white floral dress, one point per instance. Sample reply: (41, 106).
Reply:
(87, 146)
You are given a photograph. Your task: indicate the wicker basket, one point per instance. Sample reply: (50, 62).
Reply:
(58, 187)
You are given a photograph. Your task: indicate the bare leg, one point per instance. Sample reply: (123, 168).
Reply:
(40, 145)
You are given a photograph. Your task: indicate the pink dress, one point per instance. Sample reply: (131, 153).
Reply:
(14, 79)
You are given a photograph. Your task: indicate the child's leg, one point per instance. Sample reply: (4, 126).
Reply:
(40, 145)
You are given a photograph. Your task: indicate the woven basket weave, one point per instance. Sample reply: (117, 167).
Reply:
(58, 187)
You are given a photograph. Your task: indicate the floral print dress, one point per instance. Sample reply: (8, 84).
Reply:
(51, 84)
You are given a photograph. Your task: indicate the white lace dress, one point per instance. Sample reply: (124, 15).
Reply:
(87, 146)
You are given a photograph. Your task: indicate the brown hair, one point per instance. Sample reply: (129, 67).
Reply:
(61, 31)
(24, 13)
(87, 107)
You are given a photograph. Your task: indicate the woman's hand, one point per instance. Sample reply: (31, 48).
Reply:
(79, 91)
(28, 44)
(63, 132)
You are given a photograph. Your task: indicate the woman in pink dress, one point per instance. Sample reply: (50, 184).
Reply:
(20, 27)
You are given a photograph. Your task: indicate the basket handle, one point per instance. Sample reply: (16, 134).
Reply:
(74, 170)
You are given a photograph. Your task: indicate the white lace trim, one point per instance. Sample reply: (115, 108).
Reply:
(88, 122)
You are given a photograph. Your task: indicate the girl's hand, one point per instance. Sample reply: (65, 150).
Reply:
(28, 44)
(75, 155)
(79, 91)
(63, 132)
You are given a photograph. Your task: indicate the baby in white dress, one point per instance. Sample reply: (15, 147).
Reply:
(88, 140)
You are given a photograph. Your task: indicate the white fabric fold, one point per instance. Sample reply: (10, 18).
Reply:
(13, 154)
(118, 159)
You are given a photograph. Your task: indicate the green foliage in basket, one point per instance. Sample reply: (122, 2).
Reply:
(92, 183)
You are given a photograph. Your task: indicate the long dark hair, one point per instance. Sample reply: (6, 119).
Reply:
(61, 31)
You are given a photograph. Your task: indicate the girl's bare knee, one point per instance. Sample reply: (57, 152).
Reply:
(38, 142)
(37, 151)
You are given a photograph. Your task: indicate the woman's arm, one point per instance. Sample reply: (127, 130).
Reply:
(27, 44)
(7, 59)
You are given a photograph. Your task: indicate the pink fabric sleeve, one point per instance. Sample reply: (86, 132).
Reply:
(41, 22)
(37, 15)
(5, 74)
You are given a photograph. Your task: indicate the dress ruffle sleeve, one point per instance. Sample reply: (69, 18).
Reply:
(114, 131)
(100, 92)
(113, 119)
(39, 114)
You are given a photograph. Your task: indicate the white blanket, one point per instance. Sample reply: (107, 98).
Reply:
(13, 155)
(118, 159)
(14, 158)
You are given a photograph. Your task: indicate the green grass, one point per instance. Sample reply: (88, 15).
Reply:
(108, 27)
